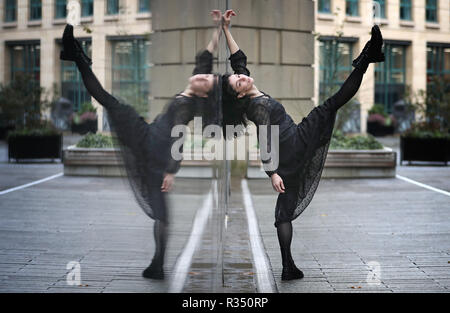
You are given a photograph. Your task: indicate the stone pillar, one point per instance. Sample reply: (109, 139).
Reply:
(277, 37)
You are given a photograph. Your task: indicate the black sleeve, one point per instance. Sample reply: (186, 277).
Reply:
(203, 63)
(182, 114)
(260, 115)
(239, 63)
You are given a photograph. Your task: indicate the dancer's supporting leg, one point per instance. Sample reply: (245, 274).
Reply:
(290, 271)
(155, 269)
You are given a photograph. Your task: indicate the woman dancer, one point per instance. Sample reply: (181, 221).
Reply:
(303, 147)
(146, 148)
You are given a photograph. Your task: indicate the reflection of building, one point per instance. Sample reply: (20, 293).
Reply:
(417, 44)
(115, 33)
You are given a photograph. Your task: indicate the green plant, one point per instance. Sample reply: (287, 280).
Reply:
(22, 103)
(378, 115)
(433, 105)
(87, 112)
(97, 141)
(45, 129)
(339, 141)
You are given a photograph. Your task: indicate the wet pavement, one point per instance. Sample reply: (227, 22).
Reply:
(357, 235)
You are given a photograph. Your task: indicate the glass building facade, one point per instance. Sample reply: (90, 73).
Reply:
(335, 60)
(131, 71)
(390, 76)
(72, 86)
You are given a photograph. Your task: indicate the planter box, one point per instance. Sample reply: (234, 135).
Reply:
(35, 147)
(84, 128)
(346, 164)
(4, 131)
(378, 130)
(424, 149)
(104, 162)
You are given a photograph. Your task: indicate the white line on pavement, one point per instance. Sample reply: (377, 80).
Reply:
(183, 263)
(423, 185)
(265, 281)
(30, 184)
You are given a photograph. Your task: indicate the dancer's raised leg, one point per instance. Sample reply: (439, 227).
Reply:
(371, 53)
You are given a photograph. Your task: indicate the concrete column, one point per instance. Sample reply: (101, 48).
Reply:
(3, 61)
(47, 59)
(22, 14)
(101, 68)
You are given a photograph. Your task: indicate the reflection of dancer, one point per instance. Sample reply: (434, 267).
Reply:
(146, 148)
(303, 147)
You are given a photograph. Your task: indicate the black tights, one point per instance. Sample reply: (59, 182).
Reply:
(94, 87)
(160, 234)
(345, 93)
(284, 232)
(347, 90)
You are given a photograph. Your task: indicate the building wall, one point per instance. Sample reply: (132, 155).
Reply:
(276, 36)
(417, 31)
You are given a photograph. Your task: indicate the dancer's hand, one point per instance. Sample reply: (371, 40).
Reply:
(216, 16)
(277, 183)
(226, 18)
(167, 182)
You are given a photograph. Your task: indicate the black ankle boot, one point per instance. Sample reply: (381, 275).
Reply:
(291, 272)
(72, 50)
(154, 270)
(372, 52)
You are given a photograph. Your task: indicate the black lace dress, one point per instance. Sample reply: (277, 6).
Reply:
(145, 149)
(302, 147)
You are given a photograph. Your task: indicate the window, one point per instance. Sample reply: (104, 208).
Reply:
(72, 86)
(405, 10)
(382, 4)
(130, 72)
(10, 10)
(438, 60)
(324, 6)
(25, 59)
(390, 76)
(87, 8)
(144, 6)
(335, 59)
(438, 79)
(35, 9)
(60, 8)
(112, 7)
(351, 8)
(431, 10)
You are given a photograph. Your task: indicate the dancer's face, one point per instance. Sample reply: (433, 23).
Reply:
(201, 84)
(240, 83)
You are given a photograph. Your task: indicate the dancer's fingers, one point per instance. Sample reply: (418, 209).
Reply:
(282, 184)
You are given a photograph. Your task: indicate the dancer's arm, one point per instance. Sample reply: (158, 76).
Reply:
(237, 58)
(226, 21)
(181, 112)
(203, 60)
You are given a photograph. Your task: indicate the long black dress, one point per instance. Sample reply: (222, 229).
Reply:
(303, 147)
(145, 149)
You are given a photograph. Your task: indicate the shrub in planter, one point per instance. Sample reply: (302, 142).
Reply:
(97, 141)
(22, 103)
(85, 120)
(339, 141)
(429, 139)
(380, 123)
(35, 143)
